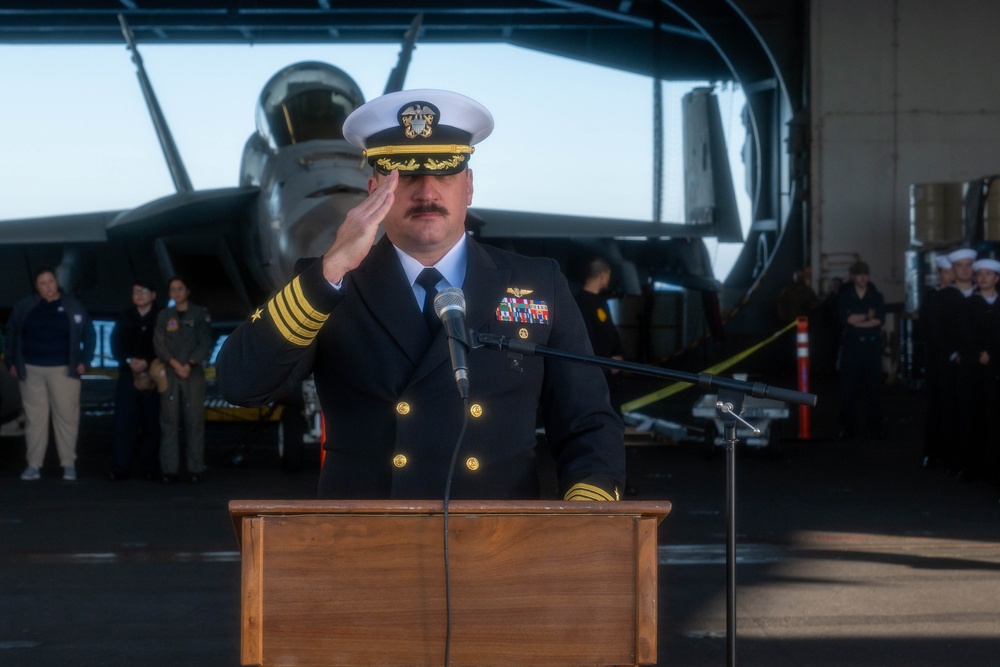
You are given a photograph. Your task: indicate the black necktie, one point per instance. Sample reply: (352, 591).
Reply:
(428, 279)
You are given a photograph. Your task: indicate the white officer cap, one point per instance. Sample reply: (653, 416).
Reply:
(942, 262)
(991, 264)
(961, 254)
(422, 131)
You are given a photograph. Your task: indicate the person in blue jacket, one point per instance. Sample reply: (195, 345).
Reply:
(50, 343)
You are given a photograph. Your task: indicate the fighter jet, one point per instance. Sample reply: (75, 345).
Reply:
(298, 178)
(235, 244)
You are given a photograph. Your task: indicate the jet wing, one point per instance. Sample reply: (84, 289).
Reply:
(183, 210)
(495, 223)
(642, 253)
(199, 234)
(205, 236)
(70, 228)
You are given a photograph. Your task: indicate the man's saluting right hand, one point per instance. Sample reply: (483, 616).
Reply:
(357, 234)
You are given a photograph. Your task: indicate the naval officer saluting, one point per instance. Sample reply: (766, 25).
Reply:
(354, 319)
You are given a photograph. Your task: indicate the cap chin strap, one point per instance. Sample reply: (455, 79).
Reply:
(422, 149)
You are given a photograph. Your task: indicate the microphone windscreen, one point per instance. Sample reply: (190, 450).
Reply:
(450, 298)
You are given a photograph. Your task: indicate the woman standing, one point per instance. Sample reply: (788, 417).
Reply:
(50, 341)
(182, 340)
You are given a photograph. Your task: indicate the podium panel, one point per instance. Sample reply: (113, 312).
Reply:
(532, 583)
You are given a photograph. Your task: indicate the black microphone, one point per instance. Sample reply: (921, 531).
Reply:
(449, 304)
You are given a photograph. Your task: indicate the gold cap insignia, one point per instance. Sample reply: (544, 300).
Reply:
(518, 292)
(418, 120)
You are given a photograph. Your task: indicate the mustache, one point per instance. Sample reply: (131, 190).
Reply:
(426, 208)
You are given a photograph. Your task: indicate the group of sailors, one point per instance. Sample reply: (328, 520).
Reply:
(960, 320)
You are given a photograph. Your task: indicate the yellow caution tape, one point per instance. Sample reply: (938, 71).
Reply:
(676, 387)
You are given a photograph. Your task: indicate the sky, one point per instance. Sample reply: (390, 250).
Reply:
(570, 137)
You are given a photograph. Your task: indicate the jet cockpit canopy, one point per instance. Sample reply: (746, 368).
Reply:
(306, 101)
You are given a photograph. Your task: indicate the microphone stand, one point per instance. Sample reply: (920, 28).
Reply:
(729, 407)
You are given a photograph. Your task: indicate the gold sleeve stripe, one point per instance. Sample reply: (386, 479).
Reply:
(589, 492)
(305, 314)
(283, 327)
(300, 298)
(301, 317)
(293, 316)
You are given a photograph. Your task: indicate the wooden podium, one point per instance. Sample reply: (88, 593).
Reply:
(532, 582)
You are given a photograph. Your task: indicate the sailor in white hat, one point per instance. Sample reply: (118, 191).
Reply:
(961, 254)
(984, 363)
(945, 317)
(986, 265)
(945, 271)
(987, 274)
(961, 263)
(937, 366)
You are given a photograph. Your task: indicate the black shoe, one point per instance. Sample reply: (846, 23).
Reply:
(195, 478)
(151, 476)
(118, 476)
(169, 479)
(845, 434)
(932, 463)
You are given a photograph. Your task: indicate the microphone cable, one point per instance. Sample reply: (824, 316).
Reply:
(447, 498)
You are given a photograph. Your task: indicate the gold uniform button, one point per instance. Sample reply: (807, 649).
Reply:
(476, 410)
(399, 461)
(403, 408)
(472, 463)
(522, 333)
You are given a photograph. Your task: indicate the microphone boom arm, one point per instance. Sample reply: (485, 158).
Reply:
(729, 405)
(705, 381)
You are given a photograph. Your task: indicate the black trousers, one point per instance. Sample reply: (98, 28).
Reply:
(861, 382)
(137, 421)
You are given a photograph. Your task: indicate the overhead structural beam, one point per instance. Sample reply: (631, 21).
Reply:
(613, 34)
(624, 17)
(558, 15)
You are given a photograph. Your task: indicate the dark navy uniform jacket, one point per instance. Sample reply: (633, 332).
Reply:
(952, 310)
(392, 410)
(849, 303)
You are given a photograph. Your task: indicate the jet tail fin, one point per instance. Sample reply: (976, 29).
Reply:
(398, 74)
(177, 171)
(709, 196)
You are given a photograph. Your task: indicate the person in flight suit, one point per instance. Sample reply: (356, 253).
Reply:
(387, 389)
(183, 341)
